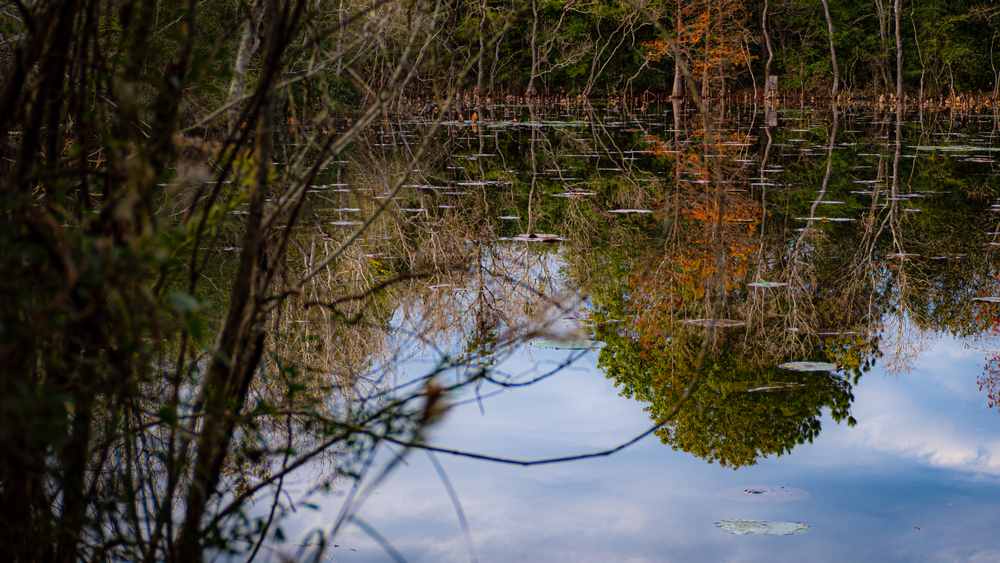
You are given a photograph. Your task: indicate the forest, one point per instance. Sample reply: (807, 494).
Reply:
(212, 216)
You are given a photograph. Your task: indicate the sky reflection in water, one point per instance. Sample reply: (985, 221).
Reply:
(917, 479)
(925, 454)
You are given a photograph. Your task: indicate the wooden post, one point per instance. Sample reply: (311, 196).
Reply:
(771, 86)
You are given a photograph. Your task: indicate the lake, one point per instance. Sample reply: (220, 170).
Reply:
(593, 265)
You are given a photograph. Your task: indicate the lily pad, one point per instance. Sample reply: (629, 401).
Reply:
(535, 237)
(762, 527)
(809, 366)
(723, 323)
(767, 284)
(570, 344)
(757, 386)
(768, 493)
(827, 219)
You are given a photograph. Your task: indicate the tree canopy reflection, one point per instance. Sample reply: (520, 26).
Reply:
(739, 413)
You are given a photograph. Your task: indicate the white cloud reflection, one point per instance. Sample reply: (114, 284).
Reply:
(935, 414)
(870, 485)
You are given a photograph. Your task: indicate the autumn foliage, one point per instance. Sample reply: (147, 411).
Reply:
(710, 37)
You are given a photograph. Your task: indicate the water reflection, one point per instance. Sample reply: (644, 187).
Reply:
(840, 235)
(746, 224)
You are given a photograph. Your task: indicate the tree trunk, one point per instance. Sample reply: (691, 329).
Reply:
(767, 43)
(534, 47)
(899, 54)
(833, 52)
(678, 91)
(708, 36)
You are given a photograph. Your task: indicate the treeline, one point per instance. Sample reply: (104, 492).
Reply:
(575, 47)
(607, 46)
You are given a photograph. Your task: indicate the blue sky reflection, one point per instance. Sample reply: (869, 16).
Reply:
(925, 454)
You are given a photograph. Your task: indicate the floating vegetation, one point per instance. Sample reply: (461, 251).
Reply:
(827, 219)
(769, 493)
(762, 527)
(808, 366)
(767, 284)
(721, 323)
(758, 386)
(535, 237)
(570, 344)
(483, 183)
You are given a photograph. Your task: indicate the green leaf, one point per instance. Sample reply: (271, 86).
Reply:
(185, 302)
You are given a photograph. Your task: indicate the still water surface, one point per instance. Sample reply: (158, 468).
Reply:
(877, 237)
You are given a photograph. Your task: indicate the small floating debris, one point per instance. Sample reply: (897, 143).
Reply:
(757, 386)
(630, 211)
(535, 237)
(762, 527)
(808, 366)
(767, 284)
(482, 183)
(769, 493)
(722, 323)
(947, 256)
(827, 219)
(570, 344)
(990, 299)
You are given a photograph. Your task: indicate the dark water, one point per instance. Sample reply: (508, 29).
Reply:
(590, 251)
